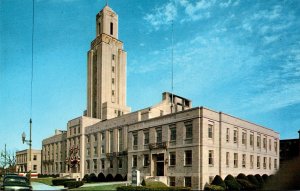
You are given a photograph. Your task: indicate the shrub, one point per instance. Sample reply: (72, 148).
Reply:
(242, 176)
(93, 177)
(229, 177)
(213, 187)
(231, 183)
(101, 177)
(260, 180)
(73, 184)
(86, 177)
(218, 181)
(246, 185)
(118, 177)
(109, 178)
(61, 181)
(265, 178)
(143, 182)
(253, 180)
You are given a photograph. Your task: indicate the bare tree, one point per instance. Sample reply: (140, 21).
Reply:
(8, 160)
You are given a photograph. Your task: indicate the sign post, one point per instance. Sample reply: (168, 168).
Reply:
(136, 181)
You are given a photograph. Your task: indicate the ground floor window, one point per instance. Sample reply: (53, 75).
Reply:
(171, 181)
(188, 181)
(134, 161)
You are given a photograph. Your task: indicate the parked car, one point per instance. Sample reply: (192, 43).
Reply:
(15, 182)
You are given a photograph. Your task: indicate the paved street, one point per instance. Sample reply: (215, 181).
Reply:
(41, 186)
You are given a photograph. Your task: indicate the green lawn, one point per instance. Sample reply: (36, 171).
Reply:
(47, 181)
(103, 187)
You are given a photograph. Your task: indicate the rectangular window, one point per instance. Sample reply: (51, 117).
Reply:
(244, 160)
(172, 133)
(258, 162)
(270, 163)
(188, 130)
(34, 167)
(102, 164)
(235, 160)
(135, 140)
(95, 164)
(235, 136)
(111, 141)
(258, 141)
(88, 152)
(275, 146)
(113, 81)
(113, 57)
(87, 164)
(146, 138)
(227, 135)
(188, 158)
(158, 135)
(113, 69)
(102, 149)
(244, 138)
(210, 130)
(102, 136)
(172, 159)
(275, 163)
(87, 138)
(120, 139)
(113, 92)
(188, 181)
(210, 157)
(265, 162)
(134, 161)
(270, 145)
(95, 151)
(251, 139)
(111, 28)
(265, 143)
(146, 160)
(172, 181)
(120, 162)
(111, 163)
(251, 161)
(227, 159)
(95, 137)
(34, 157)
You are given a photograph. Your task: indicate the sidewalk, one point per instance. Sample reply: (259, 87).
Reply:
(41, 186)
(103, 183)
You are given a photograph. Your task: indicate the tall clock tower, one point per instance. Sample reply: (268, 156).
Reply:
(106, 83)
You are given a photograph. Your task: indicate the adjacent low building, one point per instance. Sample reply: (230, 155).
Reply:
(23, 163)
(171, 141)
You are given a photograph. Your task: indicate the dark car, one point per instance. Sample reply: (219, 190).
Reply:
(14, 182)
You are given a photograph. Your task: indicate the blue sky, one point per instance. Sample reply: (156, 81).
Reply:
(238, 57)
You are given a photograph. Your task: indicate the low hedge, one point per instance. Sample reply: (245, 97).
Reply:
(246, 185)
(73, 184)
(61, 181)
(213, 188)
(218, 181)
(232, 185)
(145, 188)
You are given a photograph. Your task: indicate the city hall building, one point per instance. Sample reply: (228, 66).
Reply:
(171, 141)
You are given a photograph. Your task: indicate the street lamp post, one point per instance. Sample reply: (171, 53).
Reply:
(29, 142)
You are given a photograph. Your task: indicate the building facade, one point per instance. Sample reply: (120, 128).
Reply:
(289, 149)
(23, 162)
(170, 141)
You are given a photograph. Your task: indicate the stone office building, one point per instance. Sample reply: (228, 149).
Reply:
(170, 141)
(24, 164)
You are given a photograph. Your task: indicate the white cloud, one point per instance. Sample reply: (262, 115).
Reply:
(270, 39)
(228, 3)
(162, 15)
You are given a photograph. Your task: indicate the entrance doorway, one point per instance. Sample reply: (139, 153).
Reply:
(160, 165)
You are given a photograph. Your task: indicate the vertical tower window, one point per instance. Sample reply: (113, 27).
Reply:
(111, 28)
(99, 28)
